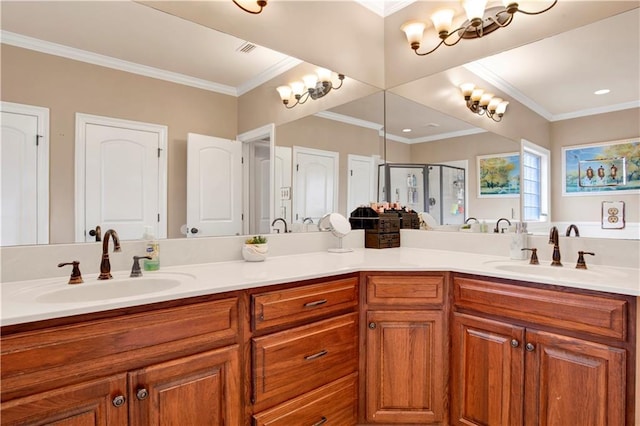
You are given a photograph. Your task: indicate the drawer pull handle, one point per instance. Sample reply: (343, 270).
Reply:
(515, 343)
(316, 303)
(530, 347)
(142, 394)
(316, 356)
(322, 421)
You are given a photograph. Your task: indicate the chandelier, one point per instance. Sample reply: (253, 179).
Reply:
(483, 103)
(479, 23)
(251, 6)
(313, 86)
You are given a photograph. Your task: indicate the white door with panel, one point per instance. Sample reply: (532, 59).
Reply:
(120, 177)
(214, 186)
(24, 155)
(315, 183)
(361, 183)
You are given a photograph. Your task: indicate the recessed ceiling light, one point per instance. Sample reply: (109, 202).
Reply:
(601, 92)
(406, 130)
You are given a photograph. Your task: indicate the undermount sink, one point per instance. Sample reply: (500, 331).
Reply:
(560, 272)
(113, 289)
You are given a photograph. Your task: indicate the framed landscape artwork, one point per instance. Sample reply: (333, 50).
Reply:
(602, 167)
(499, 175)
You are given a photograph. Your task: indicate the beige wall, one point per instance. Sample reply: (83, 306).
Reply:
(330, 135)
(468, 148)
(585, 130)
(66, 87)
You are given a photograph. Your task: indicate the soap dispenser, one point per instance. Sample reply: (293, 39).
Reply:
(152, 262)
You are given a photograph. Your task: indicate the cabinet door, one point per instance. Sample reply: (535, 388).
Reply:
(487, 363)
(200, 389)
(572, 381)
(405, 369)
(99, 402)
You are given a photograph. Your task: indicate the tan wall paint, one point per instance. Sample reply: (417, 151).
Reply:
(398, 152)
(330, 135)
(468, 148)
(66, 87)
(585, 130)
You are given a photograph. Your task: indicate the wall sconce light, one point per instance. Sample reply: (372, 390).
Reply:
(312, 86)
(483, 103)
(479, 22)
(251, 6)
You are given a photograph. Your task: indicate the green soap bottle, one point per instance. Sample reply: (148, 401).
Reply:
(152, 250)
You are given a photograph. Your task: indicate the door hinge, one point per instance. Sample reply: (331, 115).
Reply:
(242, 216)
(159, 151)
(351, 171)
(158, 217)
(38, 139)
(297, 167)
(241, 160)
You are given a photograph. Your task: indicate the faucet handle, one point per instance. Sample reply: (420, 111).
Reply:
(534, 256)
(76, 276)
(581, 263)
(135, 268)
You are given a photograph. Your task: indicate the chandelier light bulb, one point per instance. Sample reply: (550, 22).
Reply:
(474, 10)
(298, 88)
(284, 92)
(442, 21)
(414, 31)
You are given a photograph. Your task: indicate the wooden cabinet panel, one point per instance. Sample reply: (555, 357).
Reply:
(297, 360)
(53, 357)
(200, 389)
(333, 404)
(85, 404)
(405, 367)
(572, 381)
(405, 290)
(593, 314)
(487, 372)
(284, 307)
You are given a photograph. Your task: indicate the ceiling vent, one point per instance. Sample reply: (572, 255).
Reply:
(246, 47)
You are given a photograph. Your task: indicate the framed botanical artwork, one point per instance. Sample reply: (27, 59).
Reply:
(499, 175)
(601, 167)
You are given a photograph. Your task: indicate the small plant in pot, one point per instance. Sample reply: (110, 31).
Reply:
(255, 249)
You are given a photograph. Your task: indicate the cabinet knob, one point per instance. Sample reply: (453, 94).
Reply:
(372, 325)
(515, 343)
(119, 401)
(530, 347)
(142, 393)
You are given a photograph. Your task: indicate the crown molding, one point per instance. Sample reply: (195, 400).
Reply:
(31, 43)
(385, 8)
(349, 120)
(595, 111)
(284, 65)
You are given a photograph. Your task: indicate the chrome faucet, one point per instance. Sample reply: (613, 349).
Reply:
(497, 228)
(569, 228)
(105, 266)
(554, 239)
(286, 230)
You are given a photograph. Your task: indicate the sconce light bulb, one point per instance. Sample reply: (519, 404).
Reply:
(414, 31)
(476, 94)
(501, 108)
(324, 74)
(284, 92)
(310, 81)
(467, 89)
(493, 104)
(474, 10)
(485, 99)
(297, 88)
(442, 21)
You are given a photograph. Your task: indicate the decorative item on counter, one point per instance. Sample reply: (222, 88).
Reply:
(519, 242)
(381, 228)
(255, 249)
(152, 263)
(339, 226)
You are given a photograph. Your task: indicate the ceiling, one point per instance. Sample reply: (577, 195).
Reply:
(147, 41)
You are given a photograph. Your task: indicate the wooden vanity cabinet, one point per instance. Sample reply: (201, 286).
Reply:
(304, 352)
(535, 355)
(175, 365)
(405, 348)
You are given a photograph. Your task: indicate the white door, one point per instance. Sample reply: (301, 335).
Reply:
(361, 182)
(282, 178)
(24, 175)
(121, 174)
(214, 186)
(315, 183)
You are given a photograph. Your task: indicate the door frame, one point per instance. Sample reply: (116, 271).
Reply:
(82, 120)
(294, 164)
(247, 138)
(42, 166)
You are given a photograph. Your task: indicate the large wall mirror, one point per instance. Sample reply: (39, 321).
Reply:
(351, 130)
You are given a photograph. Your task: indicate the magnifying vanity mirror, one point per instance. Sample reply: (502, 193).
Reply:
(349, 132)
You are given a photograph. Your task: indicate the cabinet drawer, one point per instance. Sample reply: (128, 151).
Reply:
(284, 307)
(294, 361)
(578, 312)
(405, 290)
(48, 358)
(333, 404)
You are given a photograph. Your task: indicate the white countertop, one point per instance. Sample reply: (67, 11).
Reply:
(22, 301)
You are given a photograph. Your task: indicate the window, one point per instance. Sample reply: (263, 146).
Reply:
(535, 168)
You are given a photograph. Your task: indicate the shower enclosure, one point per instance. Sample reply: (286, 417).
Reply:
(437, 189)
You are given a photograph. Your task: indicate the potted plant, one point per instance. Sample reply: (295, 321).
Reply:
(255, 249)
